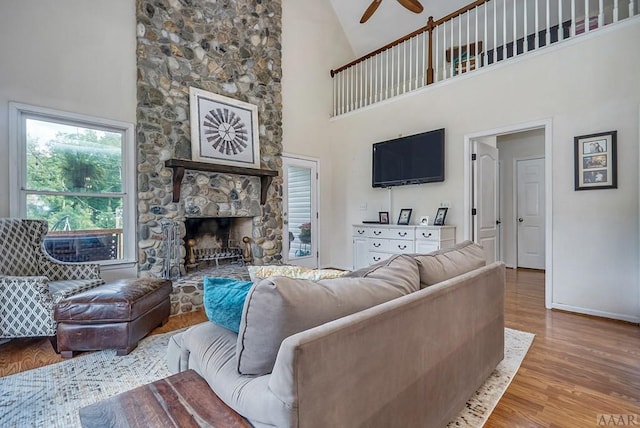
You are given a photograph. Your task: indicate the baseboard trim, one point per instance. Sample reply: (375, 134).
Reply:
(596, 313)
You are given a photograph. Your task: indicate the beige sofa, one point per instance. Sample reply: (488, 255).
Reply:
(412, 360)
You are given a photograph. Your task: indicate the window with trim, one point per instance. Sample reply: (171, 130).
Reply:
(71, 170)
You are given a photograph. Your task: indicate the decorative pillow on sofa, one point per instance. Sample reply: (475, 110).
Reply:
(224, 299)
(278, 307)
(257, 273)
(443, 264)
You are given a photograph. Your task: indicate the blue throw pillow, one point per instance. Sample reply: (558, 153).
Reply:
(224, 299)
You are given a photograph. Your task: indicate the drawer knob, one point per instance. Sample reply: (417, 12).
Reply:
(402, 247)
(426, 236)
(360, 231)
(377, 232)
(377, 244)
(376, 259)
(403, 234)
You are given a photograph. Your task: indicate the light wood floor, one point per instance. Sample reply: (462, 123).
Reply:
(578, 366)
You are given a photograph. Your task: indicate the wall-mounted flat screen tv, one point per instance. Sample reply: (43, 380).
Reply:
(409, 160)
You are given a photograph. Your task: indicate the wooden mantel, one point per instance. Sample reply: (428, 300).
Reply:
(179, 165)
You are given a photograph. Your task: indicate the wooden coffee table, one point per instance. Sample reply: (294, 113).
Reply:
(181, 400)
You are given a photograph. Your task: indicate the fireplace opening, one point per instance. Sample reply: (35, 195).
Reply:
(217, 240)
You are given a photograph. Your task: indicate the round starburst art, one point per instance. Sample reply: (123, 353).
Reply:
(225, 131)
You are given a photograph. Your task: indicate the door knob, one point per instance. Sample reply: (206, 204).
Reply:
(520, 219)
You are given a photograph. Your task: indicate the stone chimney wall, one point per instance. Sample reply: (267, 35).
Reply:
(228, 47)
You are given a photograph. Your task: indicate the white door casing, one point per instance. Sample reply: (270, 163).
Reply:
(300, 202)
(530, 213)
(547, 125)
(485, 198)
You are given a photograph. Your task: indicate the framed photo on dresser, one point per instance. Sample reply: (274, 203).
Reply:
(440, 216)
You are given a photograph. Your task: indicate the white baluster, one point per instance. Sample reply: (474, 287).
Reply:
(444, 51)
(352, 91)
(478, 63)
(437, 54)
(415, 83)
(387, 73)
(495, 32)
(615, 11)
(377, 93)
(548, 17)
(586, 17)
(515, 28)
(504, 29)
(468, 43)
(404, 67)
(560, 26)
(452, 46)
(459, 44)
(399, 68)
(525, 47)
(333, 95)
(486, 40)
(632, 8)
(358, 78)
(601, 14)
(537, 26)
(573, 18)
(339, 77)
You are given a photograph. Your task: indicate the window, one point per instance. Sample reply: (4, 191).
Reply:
(71, 170)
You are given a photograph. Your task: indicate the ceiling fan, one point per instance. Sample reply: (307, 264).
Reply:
(413, 5)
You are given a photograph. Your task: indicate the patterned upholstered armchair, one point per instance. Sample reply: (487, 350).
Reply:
(32, 282)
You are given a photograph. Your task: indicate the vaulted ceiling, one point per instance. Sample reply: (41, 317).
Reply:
(390, 21)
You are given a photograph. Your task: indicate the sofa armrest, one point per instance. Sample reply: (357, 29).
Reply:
(56, 270)
(417, 357)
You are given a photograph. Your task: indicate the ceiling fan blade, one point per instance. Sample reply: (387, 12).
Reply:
(372, 8)
(413, 5)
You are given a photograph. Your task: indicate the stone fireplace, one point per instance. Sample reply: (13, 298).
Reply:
(230, 48)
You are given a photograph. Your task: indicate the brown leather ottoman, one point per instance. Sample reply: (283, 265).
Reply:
(115, 315)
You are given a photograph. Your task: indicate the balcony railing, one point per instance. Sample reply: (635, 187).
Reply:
(478, 35)
(85, 245)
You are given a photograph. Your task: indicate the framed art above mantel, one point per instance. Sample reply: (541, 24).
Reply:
(223, 130)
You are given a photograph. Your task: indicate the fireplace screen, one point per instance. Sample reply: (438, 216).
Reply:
(215, 240)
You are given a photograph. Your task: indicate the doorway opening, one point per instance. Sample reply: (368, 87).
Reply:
(300, 201)
(508, 195)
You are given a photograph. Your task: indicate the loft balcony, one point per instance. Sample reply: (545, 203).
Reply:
(479, 35)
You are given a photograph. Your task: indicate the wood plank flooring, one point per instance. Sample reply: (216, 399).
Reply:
(577, 368)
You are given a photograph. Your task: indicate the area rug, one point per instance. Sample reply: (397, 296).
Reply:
(51, 396)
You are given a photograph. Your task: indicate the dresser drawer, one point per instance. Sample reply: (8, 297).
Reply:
(391, 233)
(359, 231)
(375, 257)
(423, 233)
(390, 245)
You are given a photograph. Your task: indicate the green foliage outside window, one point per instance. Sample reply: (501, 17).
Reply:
(72, 164)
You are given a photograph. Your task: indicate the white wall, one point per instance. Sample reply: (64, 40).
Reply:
(311, 39)
(520, 145)
(71, 55)
(583, 88)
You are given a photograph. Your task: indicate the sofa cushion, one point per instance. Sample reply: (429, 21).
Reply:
(278, 307)
(224, 299)
(443, 264)
(257, 273)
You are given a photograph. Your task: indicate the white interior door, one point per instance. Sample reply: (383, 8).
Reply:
(485, 199)
(531, 208)
(300, 194)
